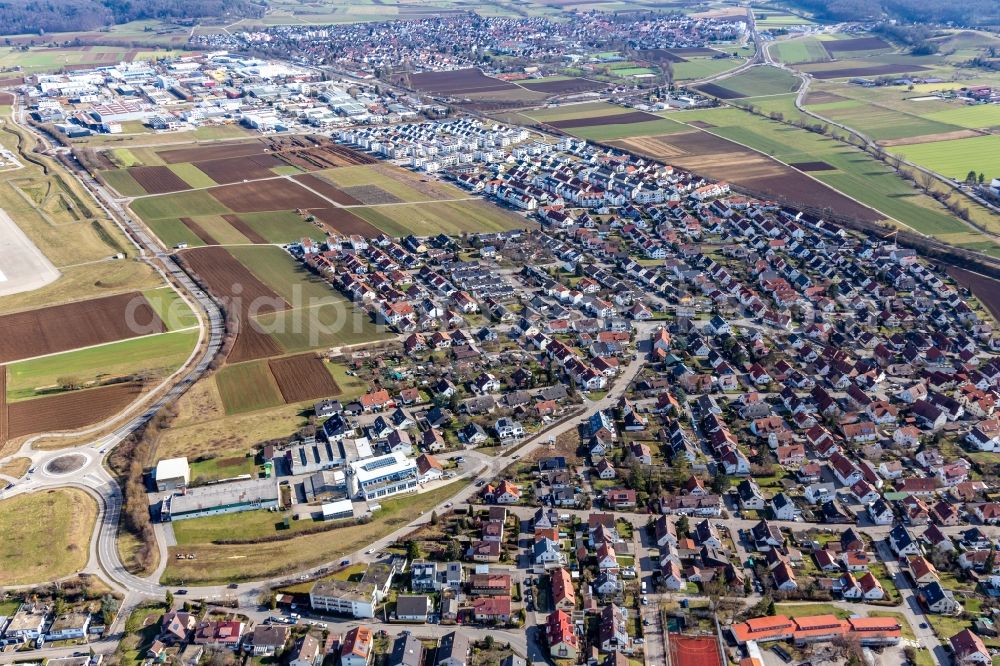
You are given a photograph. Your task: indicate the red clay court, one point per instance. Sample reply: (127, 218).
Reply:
(694, 651)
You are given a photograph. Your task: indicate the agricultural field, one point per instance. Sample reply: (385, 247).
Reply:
(855, 173)
(47, 59)
(451, 217)
(387, 183)
(799, 50)
(47, 535)
(61, 328)
(768, 18)
(154, 357)
(754, 82)
(247, 387)
(70, 410)
(702, 68)
(879, 122)
(562, 85)
(979, 116)
(954, 159)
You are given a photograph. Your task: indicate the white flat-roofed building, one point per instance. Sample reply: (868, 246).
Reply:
(221, 498)
(364, 448)
(383, 476)
(172, 473)
(338, 510)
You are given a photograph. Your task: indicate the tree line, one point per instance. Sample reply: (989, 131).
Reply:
(42, 16)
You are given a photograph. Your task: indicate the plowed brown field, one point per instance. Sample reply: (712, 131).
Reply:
(327, 189)
(158, 179)
(199, 231)
(242, 293)
(277, 194)
(236, 169)
(302, 377)
(345, 222)
(69, 411)
(237, 223)
(81, 324)
(216, 152)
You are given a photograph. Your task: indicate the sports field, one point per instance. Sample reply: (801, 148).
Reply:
(955, 159)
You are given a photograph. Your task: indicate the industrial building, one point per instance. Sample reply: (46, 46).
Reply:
(220, 498)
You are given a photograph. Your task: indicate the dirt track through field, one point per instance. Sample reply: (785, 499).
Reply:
(82, 324)
(69, 411)
(928, 138)
(302, 377)
(199, 231)
(237, 223)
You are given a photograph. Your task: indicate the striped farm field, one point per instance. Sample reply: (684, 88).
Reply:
(978, 116)
(246, 387)
(954, 159)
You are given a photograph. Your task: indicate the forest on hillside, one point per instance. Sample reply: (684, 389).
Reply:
(45, 16)
(969, 12)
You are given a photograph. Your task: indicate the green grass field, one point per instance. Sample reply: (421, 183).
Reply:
(174, 312)
(880, 123)
(759, 81)
(158, 355)
(979, 116)
(122, 181)
(46, 535)
(804, 49)
(320, 316)
(402, 184)
(281, 226)
(700, 68)
(441, 217)
(180, 204)
(192, 175)
(173, 232)
(956, 158)
(247, 387)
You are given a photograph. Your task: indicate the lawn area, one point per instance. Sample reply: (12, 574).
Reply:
(222, 467)
(224, 564)
(158, 355)
(613, 131)
(247, 525)
(956, 158)
(179, 204)
(351, 386)
(246, 387)
(171, 308)
(799, 610)
(449, 217)
(46, 535)
(15, 467)
(763, 80)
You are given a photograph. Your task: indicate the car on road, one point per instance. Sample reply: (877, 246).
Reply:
(344, 563)
(923, 625)
(369, 551)
(181, 592)
(515, 456)
(233, 586)
(447, 505)
(480, 483)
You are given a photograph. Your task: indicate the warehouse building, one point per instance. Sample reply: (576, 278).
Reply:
(171, 474)
(220, 498)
